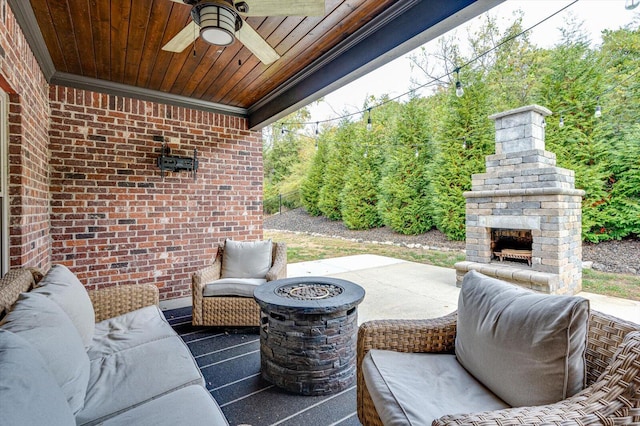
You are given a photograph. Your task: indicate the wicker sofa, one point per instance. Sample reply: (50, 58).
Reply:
(610, 395)
(227, 308)
(109, 357)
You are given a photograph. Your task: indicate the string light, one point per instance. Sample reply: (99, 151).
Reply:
(317, 128)
(369, 120)
(561, 122)
(417, 153)
(437, 80)
(598, 112)
(459, 89)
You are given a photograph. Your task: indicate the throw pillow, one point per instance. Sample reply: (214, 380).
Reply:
(246, 259)
(42, 323)
(527, 348)
(29, 395)
(63, 287)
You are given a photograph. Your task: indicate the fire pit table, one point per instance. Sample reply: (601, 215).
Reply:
(308, 333)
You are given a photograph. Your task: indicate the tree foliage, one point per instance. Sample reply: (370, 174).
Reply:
(369, 178)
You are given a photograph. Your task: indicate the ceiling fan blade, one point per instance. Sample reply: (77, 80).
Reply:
(284, 8)
(183, 39)
(256, 44)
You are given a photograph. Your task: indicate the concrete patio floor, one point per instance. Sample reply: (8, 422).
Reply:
(406, 290)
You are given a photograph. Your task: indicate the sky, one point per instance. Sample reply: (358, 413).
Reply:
(394, 78)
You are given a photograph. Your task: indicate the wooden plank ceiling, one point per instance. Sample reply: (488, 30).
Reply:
(120, 41)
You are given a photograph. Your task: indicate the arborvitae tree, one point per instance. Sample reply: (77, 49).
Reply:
(570, 88)
(312, 184)
(466, 138)
(329, 200)
(360, 193)
(620, 128)
(404, 202)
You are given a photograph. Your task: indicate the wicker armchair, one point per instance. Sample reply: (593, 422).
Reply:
(612, 398)
(231, 310)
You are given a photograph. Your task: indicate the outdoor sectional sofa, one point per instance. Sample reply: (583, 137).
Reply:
(506, 357)
(109, 357)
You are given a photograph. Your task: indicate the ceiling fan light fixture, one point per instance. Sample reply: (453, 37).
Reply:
(217, 24)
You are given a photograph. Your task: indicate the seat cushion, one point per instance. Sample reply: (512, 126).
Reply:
(417, 388)
(242, 287)
(192, 405)
(126, 331)
(42, 323)
(528, 348)
(29, 395)
(138, 358)
(246, 259)
(63, 287)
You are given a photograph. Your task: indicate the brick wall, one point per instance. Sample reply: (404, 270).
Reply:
(21, 78)
(115, 220)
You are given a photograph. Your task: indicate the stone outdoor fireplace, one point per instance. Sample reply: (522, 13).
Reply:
(523, 216)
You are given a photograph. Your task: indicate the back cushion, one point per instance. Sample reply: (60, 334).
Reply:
(246, 259)
(527, 348)
(44, 325)
(29, 395)
(64, 288)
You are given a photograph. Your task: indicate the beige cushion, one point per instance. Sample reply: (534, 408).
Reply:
(135, 375)
(129, 330)
(528, 348)
(246, 259)
(29, 395)
(192, 405)
(242, 287)
(42, 323)
(64, 288)
(416, 388)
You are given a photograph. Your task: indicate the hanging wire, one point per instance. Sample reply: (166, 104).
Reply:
(437, 79)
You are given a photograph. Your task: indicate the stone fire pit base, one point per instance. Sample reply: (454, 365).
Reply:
(309, 346)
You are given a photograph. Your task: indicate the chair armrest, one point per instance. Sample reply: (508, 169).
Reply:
(206, 275)
(429, 335)
(113, 301)
(613, 399)
(279, 268)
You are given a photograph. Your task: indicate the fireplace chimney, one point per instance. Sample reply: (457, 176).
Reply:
(523, 196)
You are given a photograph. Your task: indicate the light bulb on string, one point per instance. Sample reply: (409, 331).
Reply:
(459, 89)
(561, 122)
(317, 130)
(417, 154)
(369, 120)
(282, 130)
(366, 153)
(598, 112)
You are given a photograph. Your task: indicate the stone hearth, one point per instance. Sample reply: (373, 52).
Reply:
(523, 216)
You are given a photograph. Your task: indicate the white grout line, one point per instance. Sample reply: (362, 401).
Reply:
(177, 318)
(246, 396)
(202, 330)
(226, 349)
(313, 406)
(211, 336)
(234, 382)
(229, 359)
(344, 418)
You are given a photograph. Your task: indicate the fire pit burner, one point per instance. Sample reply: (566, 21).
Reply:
(309, 291)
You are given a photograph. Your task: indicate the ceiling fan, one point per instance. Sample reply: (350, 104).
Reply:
(220, 22)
